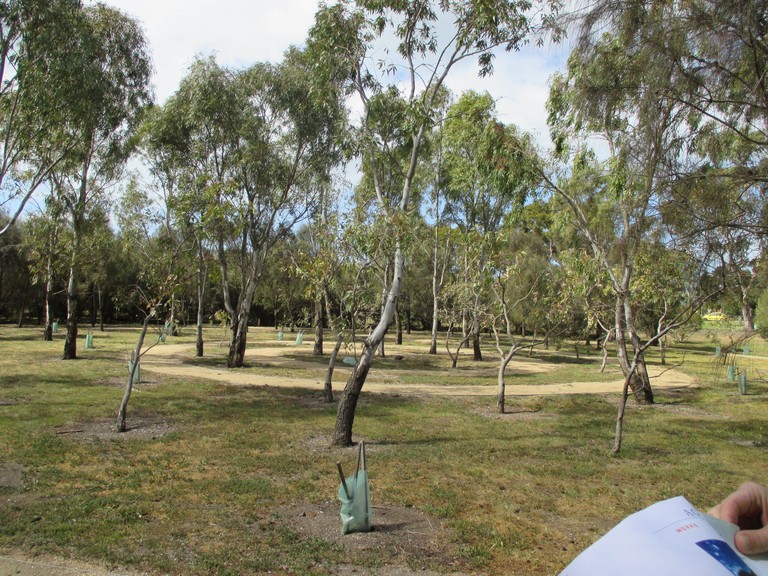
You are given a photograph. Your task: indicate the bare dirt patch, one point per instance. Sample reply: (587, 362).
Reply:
(138, 428)
(11, 475)
(516, 414)
(406, 539)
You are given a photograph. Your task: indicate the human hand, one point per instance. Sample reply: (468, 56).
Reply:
(747, 507)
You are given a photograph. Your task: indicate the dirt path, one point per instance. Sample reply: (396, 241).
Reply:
(12, 564)
(168, 359)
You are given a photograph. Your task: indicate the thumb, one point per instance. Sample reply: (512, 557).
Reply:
(752, 541)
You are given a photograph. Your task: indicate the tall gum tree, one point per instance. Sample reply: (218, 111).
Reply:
(40, 89)
(609, 91)
(714, 58)
(165, 153)
(303, 119)
(190, 145)
(430, 39)
(114, 64)
(379, 191)
(487, 176)
(262, 145)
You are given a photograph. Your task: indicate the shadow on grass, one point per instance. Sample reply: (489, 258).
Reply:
(219, 362)
(8, 335)
(245, 404)
(28, 380)
(691, 347)
(422, 441)
(392, 361)
(564, 359)
(20, 382)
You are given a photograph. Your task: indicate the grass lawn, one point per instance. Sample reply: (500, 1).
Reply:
(520, 493)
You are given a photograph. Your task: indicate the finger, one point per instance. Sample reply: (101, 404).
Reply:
(752, 541)
(715, 512)
(748, 501)
(728, 510)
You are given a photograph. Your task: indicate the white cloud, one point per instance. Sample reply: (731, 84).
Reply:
(238, 32)
(241, 32)
(520, 85)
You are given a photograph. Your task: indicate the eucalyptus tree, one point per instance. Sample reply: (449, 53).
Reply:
(164, 149)
(262, 147)
(41, 89)
(319, 259)
(45, 239)
(285, 172)
(430, 39)
(14, 272)
(488, 176)
(525, 285)
(709, 59)
(190, 146)
(609, 91)
(718, 215)
(714, 58)
(114, 67)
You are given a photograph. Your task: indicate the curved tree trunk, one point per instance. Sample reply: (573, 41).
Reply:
(500, 400)
(328, 388)
(345, 416)
(70, 343)
(636, 372)
(605, 350)
(240, 315)
(236, 356)
(317, 350)
(202, 275)
(462, 342)
(135, 361)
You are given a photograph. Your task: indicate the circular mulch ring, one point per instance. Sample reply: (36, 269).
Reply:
(399, 536)
(137, 428)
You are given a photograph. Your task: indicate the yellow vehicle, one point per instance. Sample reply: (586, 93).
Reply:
(714, 316)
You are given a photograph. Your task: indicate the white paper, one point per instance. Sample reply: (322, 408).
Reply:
(669, 538)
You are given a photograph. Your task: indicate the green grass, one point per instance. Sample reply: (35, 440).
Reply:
(521, 493)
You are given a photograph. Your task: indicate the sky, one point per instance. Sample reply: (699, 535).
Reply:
(241, 32)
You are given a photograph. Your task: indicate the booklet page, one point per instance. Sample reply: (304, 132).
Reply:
(668, 538)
